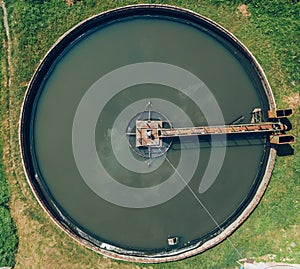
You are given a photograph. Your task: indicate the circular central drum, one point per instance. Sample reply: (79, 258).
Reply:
(108, 78)
(142, 134)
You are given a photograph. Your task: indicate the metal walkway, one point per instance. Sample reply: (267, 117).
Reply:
(266, 127)
(150, 132)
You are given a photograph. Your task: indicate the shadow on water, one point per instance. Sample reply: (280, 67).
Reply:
(229, 141)
(232, 140)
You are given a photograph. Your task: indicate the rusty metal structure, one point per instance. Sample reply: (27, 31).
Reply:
(150, 133)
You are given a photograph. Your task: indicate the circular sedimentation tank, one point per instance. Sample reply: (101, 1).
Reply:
(123, 68)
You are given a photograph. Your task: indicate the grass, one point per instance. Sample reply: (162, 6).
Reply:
(8, 238)
(270, 32)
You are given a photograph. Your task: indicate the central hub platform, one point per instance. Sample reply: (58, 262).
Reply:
(143, 133)
(147, 133)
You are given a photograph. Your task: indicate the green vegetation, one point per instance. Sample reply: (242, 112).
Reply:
(8, 237)
(270, 29)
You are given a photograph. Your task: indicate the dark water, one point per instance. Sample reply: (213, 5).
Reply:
(79, 71)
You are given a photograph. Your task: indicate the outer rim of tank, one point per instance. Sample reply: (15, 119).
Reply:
(124, 254)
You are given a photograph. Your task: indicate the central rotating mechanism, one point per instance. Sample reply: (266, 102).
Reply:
(143, 133)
